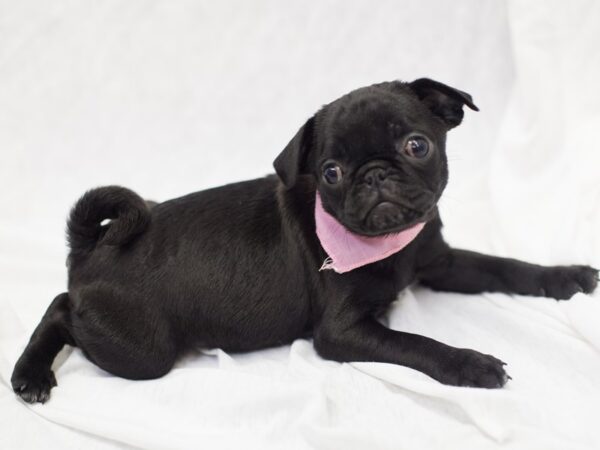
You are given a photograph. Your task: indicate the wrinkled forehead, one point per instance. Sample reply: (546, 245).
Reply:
(372, 122)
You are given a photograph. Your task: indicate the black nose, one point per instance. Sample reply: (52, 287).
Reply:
(374, 177)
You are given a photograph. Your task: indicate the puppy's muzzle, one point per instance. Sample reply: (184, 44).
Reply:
(385, 215)
(375, 177)
(392, 203)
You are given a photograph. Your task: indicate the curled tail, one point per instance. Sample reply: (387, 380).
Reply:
(128, 213)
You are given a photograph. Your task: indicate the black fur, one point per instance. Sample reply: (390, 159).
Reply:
(129, 213)
(236, 267)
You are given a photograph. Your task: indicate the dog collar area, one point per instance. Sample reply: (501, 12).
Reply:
(347, 251)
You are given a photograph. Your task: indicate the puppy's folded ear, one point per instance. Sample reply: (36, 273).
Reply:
(443, 101)
(293, 160)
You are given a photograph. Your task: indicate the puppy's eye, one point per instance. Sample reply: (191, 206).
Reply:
(332, 173)
(417, 147)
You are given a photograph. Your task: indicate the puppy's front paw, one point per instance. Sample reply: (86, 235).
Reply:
(470, 368)
(33, 385)
(562, 282)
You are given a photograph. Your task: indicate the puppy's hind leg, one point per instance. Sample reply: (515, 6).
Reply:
(32, 376)
(123, 333)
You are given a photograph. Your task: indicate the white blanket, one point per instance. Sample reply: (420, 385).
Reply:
(170, 97)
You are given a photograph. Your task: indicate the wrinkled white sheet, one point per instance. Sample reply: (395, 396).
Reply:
(170, 97)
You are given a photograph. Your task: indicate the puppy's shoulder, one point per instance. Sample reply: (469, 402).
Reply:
(430, 242)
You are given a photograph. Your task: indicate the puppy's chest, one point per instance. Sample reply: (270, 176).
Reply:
(376, 286)
(397, 271)
(387, 293)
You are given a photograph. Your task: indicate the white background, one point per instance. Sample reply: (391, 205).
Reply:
(169, 97)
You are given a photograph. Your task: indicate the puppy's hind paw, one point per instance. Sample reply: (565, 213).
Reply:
(33, 387)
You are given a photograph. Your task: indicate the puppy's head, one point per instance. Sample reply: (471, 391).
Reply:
(378, 153)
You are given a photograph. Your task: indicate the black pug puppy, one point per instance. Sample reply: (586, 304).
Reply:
(244, 266)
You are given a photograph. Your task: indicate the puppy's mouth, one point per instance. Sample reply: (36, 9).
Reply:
(387, 217)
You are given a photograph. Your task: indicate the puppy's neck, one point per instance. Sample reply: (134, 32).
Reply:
(347, 251)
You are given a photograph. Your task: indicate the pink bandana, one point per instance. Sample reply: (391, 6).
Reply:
(347, 250)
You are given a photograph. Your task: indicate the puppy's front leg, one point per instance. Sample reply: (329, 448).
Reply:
(347, 339)
(470, 272)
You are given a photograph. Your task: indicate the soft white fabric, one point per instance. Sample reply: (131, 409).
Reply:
(170, 97)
